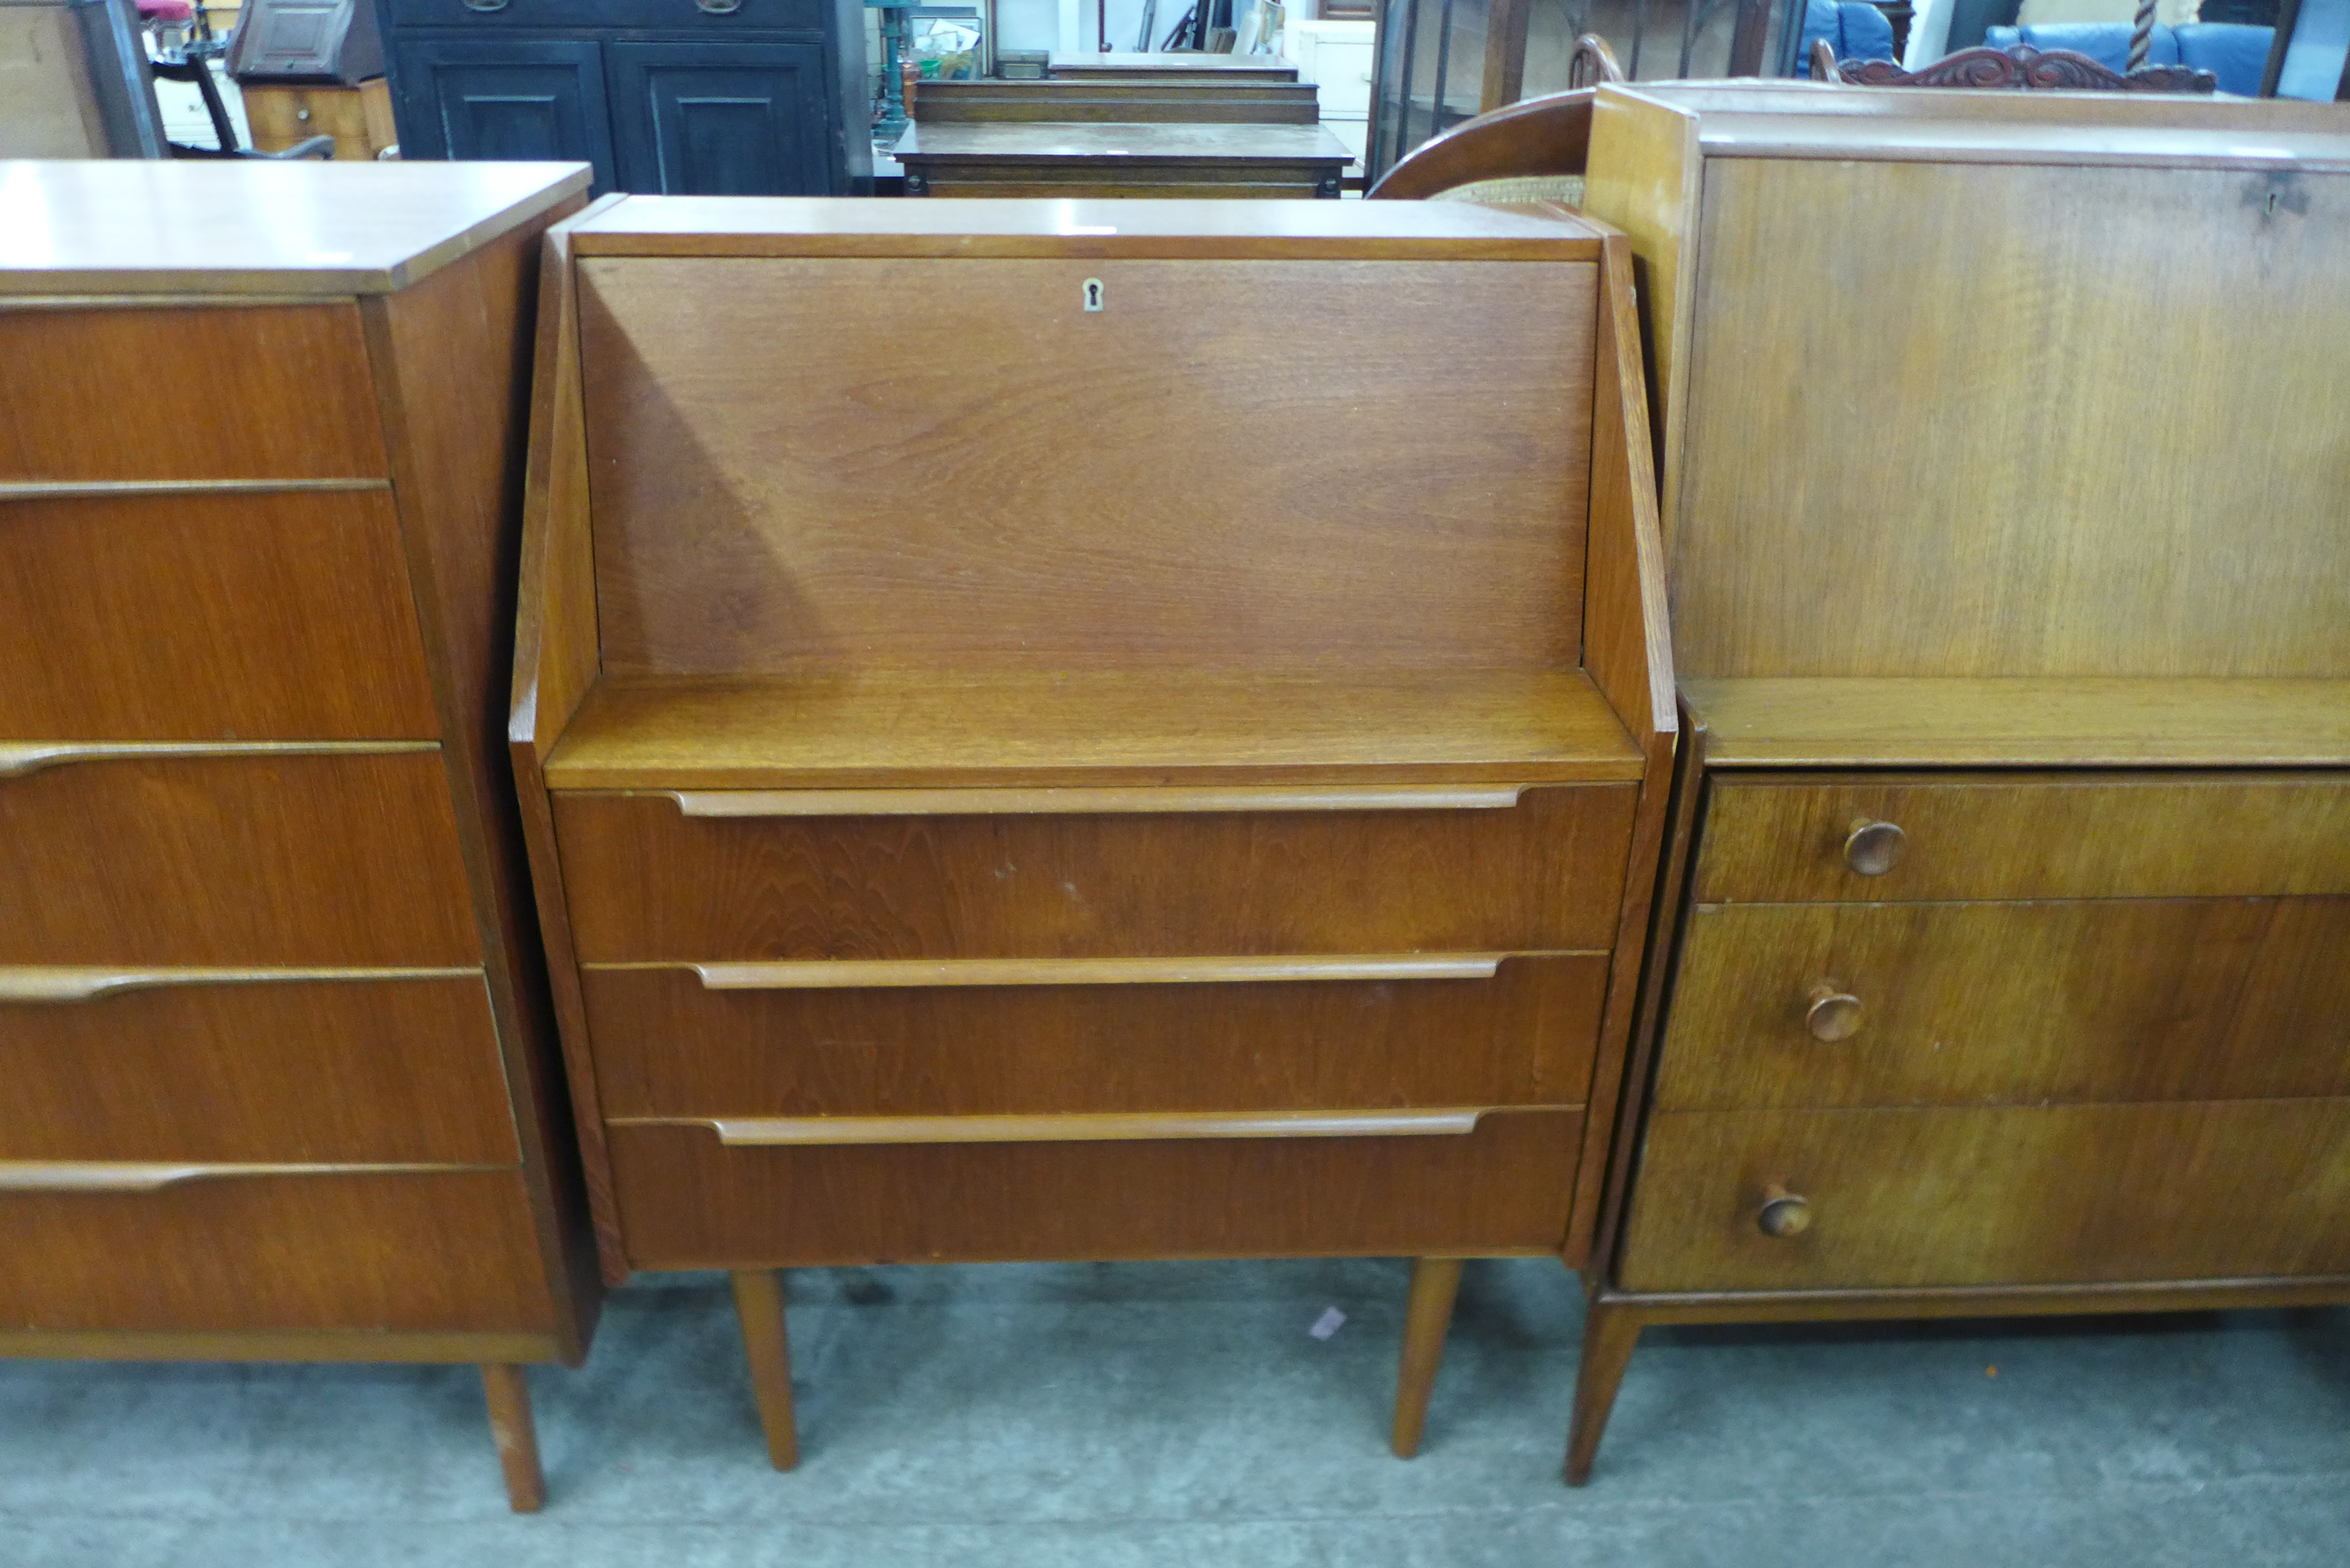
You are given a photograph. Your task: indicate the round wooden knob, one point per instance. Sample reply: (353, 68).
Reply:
(1833, 1014)
(1783, 1213)
(1873, 849)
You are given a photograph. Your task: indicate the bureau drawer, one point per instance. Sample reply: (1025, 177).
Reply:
(417, 1251)
(208, 618)
(2092, 836)
(718, 17)
(182, 1065)
(1519, 1031)
(259, 858)
(1884, 1004)
(253, 391)
(2015, 1195)
(688, 1201)
(1541, 868)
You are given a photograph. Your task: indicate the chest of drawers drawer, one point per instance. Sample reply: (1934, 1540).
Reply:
(143, 617)
(1540, 869)
(339, 858)
(2090, 835)
(240, 392)
(449, 1250)
(1887, 1004)
(687, 1200)
(2013, 1196)
(1129, 1037)
(182, 1065)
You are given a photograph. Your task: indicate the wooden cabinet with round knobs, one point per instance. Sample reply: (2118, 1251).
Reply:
(1833, 1014)
(1783, 1213)
(1873, 849)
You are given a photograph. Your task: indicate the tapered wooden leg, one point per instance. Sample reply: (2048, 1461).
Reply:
(1610, 1332)
(517, 1435)
(759, 1302)
(1434, 1282)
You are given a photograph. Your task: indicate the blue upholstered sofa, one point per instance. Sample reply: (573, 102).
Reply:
(2236, 55)
(1859, 32)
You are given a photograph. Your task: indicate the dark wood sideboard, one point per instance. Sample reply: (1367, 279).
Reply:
(742, 97)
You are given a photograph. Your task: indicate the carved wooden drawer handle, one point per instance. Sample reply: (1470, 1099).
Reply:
(1834, 1015)
(1873, 849)
(1783, 1213)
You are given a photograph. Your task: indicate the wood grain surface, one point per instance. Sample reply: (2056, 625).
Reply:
(1641, 176)
(450, 1250)
(2040, 835)
(667, 1046)
(949, 228)
(144, 618)
(1238, 99)
(2014, 1002)
(688, 1202)
(646, 883)
(1960, 722)
(2028, 470)
(271, 392)
(958, 728)
(230, 860)
(1989, 1197)
(392, 1071)
(936, 489)
(451, 359)
(255, 226)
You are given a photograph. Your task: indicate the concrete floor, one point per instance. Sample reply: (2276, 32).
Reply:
(1180, 1414)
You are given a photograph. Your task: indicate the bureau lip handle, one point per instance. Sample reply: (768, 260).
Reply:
(1140, 802)
(884, 974)
(103, 1175)
(20, 758)
(72, 984)
(761, 1132)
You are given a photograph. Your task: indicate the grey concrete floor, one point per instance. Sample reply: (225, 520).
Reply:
(1180, 1412)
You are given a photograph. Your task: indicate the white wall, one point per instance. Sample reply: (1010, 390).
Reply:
(1035, 23)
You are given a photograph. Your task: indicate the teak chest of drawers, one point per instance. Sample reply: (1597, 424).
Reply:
(281, 1078)
(2004, 951)
(968, 827)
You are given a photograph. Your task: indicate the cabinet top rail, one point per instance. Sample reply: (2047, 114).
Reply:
(128, 226)
(1898, 124)
(815, 225)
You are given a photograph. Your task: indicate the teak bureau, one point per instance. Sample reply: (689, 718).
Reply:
(281, 1078)
(996, 792)
(2004, 951)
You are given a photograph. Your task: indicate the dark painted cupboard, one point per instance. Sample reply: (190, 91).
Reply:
(665, 96)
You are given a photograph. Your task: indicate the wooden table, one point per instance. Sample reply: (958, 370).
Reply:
(1168, 160)
(1236, 98)
(1202, 67)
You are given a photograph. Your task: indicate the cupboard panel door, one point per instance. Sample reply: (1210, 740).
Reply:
(703, 119)
(521, 99)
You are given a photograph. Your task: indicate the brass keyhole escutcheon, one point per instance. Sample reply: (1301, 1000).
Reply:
(1873, 849)
(1783, 1213)
(1834, 1015)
